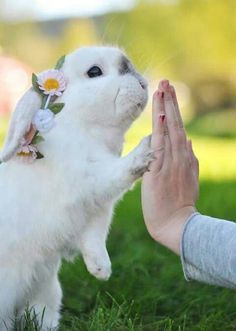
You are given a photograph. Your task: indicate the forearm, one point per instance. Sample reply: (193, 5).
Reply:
(208, 250)
(119, 174)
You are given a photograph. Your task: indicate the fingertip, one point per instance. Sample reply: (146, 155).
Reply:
(164, 85)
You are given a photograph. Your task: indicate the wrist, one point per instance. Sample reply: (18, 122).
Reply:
(170, 233)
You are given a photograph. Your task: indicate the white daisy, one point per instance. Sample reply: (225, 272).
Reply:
(52, 82)
(27, 151)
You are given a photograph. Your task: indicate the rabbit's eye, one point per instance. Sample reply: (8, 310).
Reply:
(94, 72)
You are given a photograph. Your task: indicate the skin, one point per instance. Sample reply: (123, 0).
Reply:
(170, 188)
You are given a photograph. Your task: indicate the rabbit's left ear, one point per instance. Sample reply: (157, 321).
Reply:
(20, 123)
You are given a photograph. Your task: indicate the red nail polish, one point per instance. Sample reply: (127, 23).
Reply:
(162, 118)
(160, 94)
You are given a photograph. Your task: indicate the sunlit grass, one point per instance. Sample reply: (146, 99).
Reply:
(217, 156)
(147, 283)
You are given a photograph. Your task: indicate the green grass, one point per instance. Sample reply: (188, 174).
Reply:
(147, 290)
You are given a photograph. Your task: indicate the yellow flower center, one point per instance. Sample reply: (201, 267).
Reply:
(24, 153)
(51, 84)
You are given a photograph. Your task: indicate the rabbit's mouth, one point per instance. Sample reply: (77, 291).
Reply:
(117, 93)
(136, 110)
(130, 98)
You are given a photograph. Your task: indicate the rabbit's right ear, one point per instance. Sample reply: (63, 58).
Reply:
(20, 123)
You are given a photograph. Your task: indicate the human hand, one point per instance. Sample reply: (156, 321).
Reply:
(170, 188)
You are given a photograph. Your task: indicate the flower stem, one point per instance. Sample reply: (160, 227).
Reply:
(47, 102)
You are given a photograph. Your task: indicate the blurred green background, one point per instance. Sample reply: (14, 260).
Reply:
(190, 42)
(193, 44)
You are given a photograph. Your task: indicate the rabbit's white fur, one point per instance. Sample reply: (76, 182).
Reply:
(62, 204)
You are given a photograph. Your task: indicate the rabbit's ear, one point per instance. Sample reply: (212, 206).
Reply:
(20, 123)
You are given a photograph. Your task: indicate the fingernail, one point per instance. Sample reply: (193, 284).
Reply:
(162, 118)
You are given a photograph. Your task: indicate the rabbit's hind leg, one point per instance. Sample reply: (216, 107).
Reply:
(6, 324)
(46, 303)
(6, 321)
(7, 305)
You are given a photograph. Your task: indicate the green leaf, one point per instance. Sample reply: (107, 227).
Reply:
(37, 139)
(60, 62)
(56, 107)
(39, 156)
(35, 84)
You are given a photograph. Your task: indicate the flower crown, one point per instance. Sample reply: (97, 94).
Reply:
(49, 84)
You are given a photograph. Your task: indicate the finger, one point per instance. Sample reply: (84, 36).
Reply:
(160, 125)
(176, 104)
(193, 159)
(172, 119)
(164, 86)
(176, 132)
(177, 135)
(168, 159)
(158, 130)
(157, 113)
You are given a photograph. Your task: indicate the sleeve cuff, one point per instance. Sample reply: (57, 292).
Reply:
(188, 269)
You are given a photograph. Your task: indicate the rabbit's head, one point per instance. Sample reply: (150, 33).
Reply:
(103, 91)
(103, 87)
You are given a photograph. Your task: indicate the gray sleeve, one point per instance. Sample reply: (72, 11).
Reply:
(208, 250)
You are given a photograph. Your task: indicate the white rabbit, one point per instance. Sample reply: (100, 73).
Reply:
(62, 204)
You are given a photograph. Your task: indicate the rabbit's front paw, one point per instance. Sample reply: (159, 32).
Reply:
(98, 266)
(143, 155)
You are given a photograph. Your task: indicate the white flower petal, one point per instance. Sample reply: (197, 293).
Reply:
(25, 149)
(52, 74)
